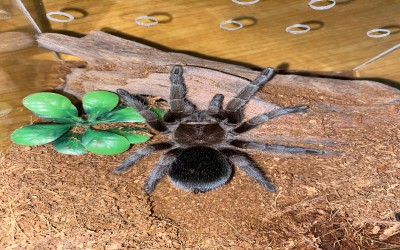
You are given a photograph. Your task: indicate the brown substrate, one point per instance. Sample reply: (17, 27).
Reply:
(49, 200)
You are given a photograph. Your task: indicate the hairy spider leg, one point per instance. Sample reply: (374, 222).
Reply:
(179, 105)
(279, 148)
(163, 166)
(215, 106)
(246, 164)
(177, 92)
(234, 108)
(260, 119)
(138, 104)
(139, 154)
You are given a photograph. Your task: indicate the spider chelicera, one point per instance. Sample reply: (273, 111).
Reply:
(202, 144)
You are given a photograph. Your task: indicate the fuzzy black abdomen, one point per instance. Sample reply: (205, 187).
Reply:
(200, 169)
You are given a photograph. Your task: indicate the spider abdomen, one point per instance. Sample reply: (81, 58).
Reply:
(200, 169)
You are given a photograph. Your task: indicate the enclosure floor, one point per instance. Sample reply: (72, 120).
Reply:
(49, 200)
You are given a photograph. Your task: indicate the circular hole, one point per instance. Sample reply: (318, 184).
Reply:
(77, 13)
(246, 21)
(378, 33)
(393, 28)
(242, 2)
(60, 17)
(314, 24)
(162, 17)
(298, 29)
(231, 25)
(321, 4)
(147, 21)
(4, 15)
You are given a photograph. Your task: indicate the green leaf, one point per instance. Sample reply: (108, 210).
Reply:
(52, 107)
(136, 138)
(98, 103)
(129, 133)
(159, 112)
(104, 142)
(124, 114)
(38, 134)
(70, 144)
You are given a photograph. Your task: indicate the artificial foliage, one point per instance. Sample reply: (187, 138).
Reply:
(100, 107)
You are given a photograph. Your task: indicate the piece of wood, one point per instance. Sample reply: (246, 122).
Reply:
(113, 62)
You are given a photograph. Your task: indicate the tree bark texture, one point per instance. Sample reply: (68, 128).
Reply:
(336, 105)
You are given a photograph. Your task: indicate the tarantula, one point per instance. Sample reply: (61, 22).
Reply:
(202, 144)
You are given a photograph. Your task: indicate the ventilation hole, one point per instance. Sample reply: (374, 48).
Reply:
(146, 21)
(321, 4)
(231, 25)
(378, 33)
(78, 13)
(246, 21)
(241, 2)
(61, 17)
(298, 29)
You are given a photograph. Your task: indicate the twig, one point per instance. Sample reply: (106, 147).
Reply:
(49, 225)
(15, 223)
(74, 211)
(276, 199)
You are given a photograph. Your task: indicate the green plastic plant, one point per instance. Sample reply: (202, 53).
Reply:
(101, 107)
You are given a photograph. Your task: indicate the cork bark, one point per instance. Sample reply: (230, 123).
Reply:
(113, 62)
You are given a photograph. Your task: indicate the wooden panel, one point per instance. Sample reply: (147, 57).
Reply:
(338, 41)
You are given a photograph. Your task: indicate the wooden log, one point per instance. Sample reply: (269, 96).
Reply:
(113, 62)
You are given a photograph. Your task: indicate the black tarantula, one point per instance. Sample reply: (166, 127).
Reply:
(202, 144)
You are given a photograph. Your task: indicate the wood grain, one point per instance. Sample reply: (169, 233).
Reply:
(337, 41)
